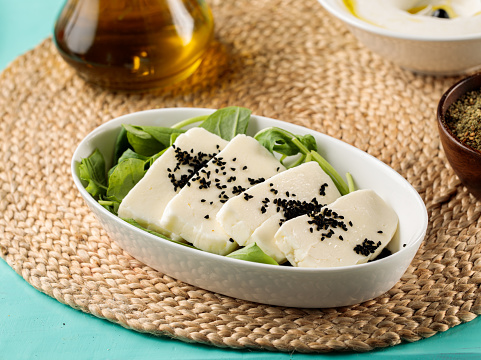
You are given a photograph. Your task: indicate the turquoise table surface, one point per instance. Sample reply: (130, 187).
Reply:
(35, 326)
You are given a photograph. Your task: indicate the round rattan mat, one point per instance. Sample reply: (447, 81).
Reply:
(282, 59)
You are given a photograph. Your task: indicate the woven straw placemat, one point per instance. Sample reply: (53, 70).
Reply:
(283, 59)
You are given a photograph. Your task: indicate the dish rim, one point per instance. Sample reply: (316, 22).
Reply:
(417, 237)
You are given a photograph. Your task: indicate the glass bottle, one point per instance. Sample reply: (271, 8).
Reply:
(134, 44)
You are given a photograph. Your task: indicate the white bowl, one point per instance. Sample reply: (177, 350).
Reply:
(275, 285)
(425, 54)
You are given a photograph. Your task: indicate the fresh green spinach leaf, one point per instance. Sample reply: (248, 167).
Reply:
(149, 140)
(92, 170)
(253, 253)
(283, 142)
(110, 205)
(287, 144)
(121, 144)
(125, 175)
(228, 122)
(162, 134)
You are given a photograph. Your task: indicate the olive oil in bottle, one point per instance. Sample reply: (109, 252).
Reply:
(134, 44)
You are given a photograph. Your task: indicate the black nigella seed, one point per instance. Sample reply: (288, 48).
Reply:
(441, 13)
(206, 217)
(231, 240)
(379, 232)
(244, 168)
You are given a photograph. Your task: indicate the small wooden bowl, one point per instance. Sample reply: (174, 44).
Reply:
(465, 160)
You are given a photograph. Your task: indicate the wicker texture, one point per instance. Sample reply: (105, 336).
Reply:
(282, 59)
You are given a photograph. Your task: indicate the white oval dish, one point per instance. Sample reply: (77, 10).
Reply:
(269, 284)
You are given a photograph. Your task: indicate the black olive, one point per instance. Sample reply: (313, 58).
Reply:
(441, 13)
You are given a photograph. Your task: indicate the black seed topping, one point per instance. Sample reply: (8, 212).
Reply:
(206, 217)
(203, 200)
(255, 181)
(441, 13)
(350, 223)
(322, 189)
(237, 189)
(326, 220)
(190, 160)
(244, 168)
(367, 247)
(379, 232)
(234, 159)
(231, 240)
(247, 196)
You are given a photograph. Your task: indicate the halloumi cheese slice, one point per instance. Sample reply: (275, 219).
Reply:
(352, 230)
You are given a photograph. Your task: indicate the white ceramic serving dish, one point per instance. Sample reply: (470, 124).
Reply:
(275, 285)
(420, 53)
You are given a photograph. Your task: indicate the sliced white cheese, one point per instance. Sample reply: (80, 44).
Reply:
(294, 192)
(146, 201)
(192, 213)
(352, 230)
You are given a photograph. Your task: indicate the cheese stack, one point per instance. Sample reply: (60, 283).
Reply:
(257, 214)
(146, 201)
(191, 214)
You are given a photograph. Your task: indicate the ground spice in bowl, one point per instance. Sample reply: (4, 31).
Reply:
(463, 119)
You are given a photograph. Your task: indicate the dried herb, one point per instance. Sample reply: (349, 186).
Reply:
(463, 119)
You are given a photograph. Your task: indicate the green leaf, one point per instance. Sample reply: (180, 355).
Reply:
(150, 140)
(190, 121)
(121, 145)
(129, 154)
(285, 143)
(124, 177)
(137, 225)
(142, 142)
(350, 183)
(110, 205)
(92, 170)
(228, 122)
(253, 253)
(163, 135)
